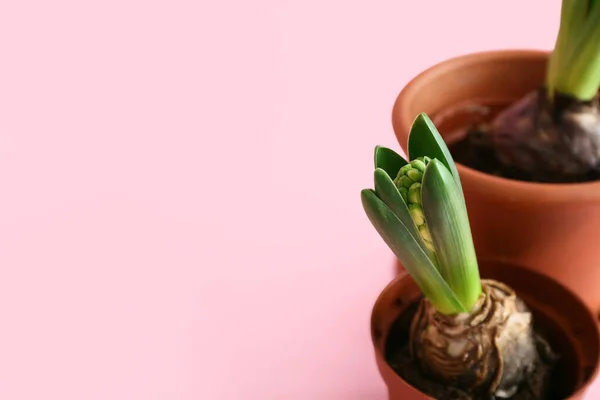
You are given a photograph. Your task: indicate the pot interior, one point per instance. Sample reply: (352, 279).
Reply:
(566, 376)
(454, 122)
(494, 79)
(559, 317)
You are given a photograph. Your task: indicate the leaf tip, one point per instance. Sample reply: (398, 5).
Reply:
(366, 194)
(376, 154)
(380, 172)
(422, 117)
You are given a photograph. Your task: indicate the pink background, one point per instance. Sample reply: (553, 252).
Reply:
(180, 215)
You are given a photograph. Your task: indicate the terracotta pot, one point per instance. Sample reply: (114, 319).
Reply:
(550, 228)
(572, 328)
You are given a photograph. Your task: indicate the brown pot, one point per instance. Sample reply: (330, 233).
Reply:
(572, 328)
(551, 228)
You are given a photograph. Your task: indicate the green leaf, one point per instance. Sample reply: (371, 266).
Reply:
(411, 255)
(388, 160)
(574, 67)
(580, 76)
(389, 194)
(570, 11)
(425, 140)
(448, 222)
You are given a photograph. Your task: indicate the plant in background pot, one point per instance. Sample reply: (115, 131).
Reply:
(524, 129)
(465, 337)
(553, 133)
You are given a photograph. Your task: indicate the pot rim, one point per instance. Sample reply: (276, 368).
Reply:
(378, 353)
(579, 393)
(519, 190)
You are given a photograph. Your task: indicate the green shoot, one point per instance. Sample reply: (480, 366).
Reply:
(574, 65)
(434, 244)
(411, 255)
(446, 215)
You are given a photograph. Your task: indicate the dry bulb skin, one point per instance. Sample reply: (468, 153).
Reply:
(487, 352)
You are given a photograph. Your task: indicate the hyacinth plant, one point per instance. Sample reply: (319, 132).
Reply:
(553, 134)
(470, 333)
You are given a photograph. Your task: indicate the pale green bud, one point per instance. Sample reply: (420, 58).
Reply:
(404, 169)
(415, 175)
(404, 193)
(416, 212)
(424, 231)
(418, 164)
(414, 193)
(406, 181)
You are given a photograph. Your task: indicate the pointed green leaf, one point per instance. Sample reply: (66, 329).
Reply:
(388, 160)
(425, 140)
(389, 194)
(448, 222)
(411, 255)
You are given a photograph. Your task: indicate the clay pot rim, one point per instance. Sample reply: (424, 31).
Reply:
(580, 392)
(531, 192)
(378, 353)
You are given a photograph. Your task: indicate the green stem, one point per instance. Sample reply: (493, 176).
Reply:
(574, 66)
(565, 34)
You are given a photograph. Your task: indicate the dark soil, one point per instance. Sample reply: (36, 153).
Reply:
(465, 130)
(475, 152)
(468, 136)
(554, 378)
